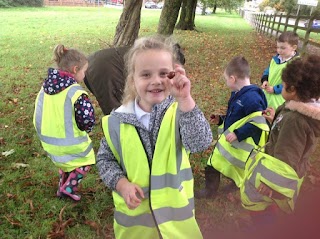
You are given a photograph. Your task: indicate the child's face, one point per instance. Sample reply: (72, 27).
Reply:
(80, 73)
(230, 81)
(285, 50)
(288, 95)
(150, 77)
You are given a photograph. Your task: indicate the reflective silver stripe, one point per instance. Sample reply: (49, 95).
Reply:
(178, 142)
(171, 180)
(69, 157)
(69, 140)
(276, 178)
(271, 176)
(257, 119)
(240, 145)
(163, 215)
(166, 214)
(229, 157)
(114, 124)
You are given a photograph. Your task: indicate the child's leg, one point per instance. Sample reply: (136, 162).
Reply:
(212, 181)
(62, 178)
(70, 186)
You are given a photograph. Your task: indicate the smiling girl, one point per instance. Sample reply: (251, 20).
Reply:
(144, 157)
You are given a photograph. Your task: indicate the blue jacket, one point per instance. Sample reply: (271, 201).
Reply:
(242, 103)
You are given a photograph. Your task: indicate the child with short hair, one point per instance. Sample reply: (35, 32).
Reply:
(273, 179)
(144, 157)
(287, 44)
(63, 117)
(242, 129)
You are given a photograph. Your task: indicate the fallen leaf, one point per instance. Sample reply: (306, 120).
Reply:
(20, 165)
(7, 153)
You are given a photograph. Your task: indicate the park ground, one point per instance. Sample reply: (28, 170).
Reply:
(28, 180)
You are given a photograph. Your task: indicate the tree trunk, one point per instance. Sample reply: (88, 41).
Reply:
(169, 16)
(188, 10)
(214, 8)
(129, 24)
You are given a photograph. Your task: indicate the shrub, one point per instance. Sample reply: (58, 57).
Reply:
(19, 3)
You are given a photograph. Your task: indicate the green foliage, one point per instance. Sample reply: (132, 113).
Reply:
(19, 3)
(227, 5)
(289, 6)
(28, 179)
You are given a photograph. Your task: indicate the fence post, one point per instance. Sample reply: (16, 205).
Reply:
(279, 23)
(264, 23)
(296, 24)
(272, 26)
(306, 36)
(286, 24)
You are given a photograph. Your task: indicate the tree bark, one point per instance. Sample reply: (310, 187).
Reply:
(169, 16)
(214, 8)
(128, 26)
(187, 16)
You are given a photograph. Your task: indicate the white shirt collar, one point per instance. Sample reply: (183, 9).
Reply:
(142, 116)
(284, 60)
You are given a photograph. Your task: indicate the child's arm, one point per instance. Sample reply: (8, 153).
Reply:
(265, 78)
(114, 178)
(84, 113)
(269, 114)
(108, 167)
(180, 89)
(277, 89)
(269, 192)
(131, 193)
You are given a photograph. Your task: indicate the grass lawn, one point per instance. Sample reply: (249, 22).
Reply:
(28, 180)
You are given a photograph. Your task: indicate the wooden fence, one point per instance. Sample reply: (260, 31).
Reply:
(273, 25)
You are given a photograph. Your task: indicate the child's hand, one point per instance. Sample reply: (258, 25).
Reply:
(269, 114)
(131, 193)
(264, 84)
(269, 89)
(214, 119)
(231, 137)
(180, 89)
(267, 191)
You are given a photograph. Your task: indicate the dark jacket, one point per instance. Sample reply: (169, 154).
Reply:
(242, 103)
(105, 77)
(294, 134)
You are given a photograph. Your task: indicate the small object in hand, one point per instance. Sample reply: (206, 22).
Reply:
(171, 74)
(264, 112)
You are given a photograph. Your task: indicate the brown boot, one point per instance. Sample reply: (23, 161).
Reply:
(212, 181)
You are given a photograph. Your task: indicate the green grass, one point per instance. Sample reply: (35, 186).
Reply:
(28, 206)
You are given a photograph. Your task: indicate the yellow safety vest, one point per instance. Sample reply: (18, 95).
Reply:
(275, 78)
(229, 158)
(276, 174)
(168, 208)
(54, 120)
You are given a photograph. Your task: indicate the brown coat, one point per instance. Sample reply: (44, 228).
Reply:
(105, 77)
(294, 134)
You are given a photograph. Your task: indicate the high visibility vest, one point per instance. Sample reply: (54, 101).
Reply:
(276, 174)
(54, 121)
(275, 78)
(167, 211)
(230, 158)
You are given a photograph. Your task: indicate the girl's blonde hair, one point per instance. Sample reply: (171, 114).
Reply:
(66, 59)
(156, 42)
